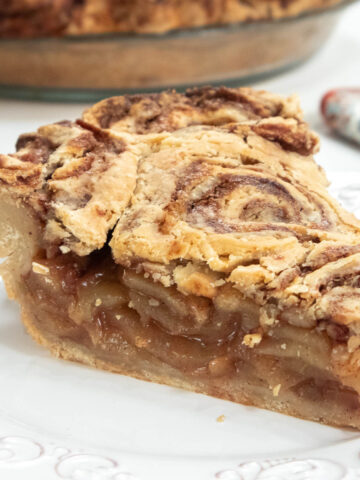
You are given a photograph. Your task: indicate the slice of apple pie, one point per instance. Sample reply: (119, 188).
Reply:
(189, 240)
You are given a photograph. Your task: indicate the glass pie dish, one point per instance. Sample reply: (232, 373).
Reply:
(91, 67)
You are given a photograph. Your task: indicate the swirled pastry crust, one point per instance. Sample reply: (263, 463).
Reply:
(63, 17)
(189, 240)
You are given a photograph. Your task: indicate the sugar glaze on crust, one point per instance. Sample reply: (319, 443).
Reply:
(205, 192)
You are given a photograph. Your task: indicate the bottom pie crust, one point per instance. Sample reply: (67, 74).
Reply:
(69, 350)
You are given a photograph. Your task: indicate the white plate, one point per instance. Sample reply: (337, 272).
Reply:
(60, 420)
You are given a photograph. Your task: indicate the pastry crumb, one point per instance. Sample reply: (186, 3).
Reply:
(39, 268)
(283, 346)
(252, 339)
(98, 302)
(153, 302)
(298, 288)
(64, 249)
(269, 321)
(353, 343)
(276, 390)
(131, 304)
(140, 342)
(117, 317)
(220, 419)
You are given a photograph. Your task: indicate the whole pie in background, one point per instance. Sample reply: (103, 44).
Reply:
(31, 18)
(189, 240)
(91, 49)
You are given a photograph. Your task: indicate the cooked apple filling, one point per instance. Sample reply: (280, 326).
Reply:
(108, 308)
(189, 240)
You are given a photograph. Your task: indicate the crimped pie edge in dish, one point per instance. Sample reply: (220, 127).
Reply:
(90, 67)
(36, 18)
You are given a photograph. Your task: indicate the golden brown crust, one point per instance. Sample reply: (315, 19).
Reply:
(69, 174)
(47, 17)
(170, 111)
(194, 176)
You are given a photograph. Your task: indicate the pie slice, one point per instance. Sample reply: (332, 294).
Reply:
(189, 240)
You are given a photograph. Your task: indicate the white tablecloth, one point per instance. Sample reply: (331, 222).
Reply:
(336, 65)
